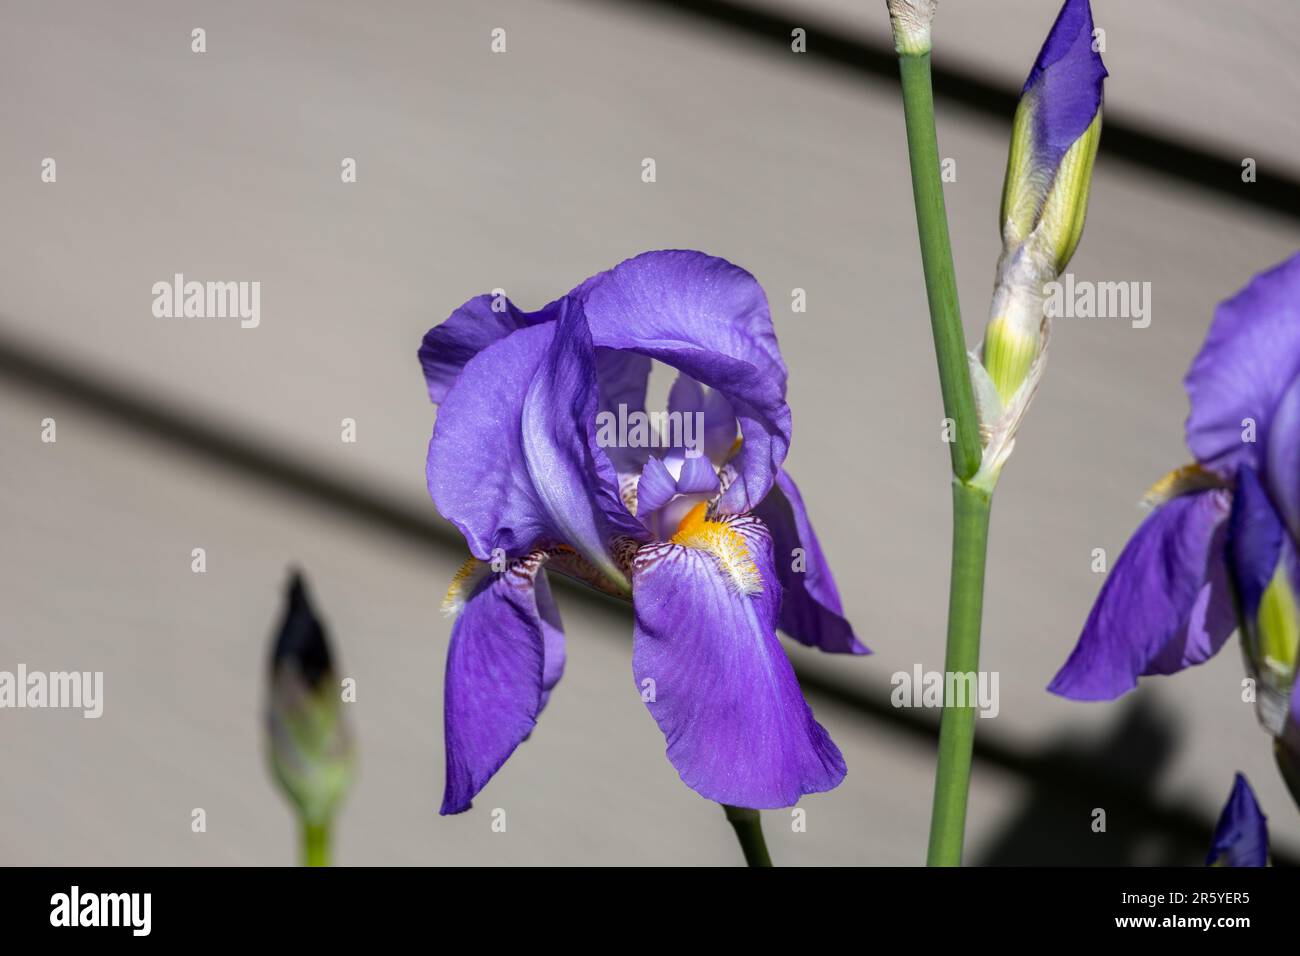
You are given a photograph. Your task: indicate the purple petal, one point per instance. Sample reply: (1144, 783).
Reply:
(506, 654)
(1165, 605)
(662, 501)
(811, 612)
(468, 331)
(1241, 836)
(1280, 450)
(1258, 548)
(513, 462)
(554, 653)
(474, 326)
(572, 476)
(724, 694)
(1250, 356)
(655, 489)
(622, 378)
(1065, 85)
(719, 433)
(709, 319)
(697, 477)
(1254, 541)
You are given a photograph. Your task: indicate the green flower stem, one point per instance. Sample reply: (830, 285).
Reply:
(315, 844)
(936, 261)
(970, 535)
(749, 831)
(970, 525)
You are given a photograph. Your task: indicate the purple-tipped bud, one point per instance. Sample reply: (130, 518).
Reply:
(1241, 838)
(1044, 201)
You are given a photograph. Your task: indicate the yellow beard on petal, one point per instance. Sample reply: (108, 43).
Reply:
(725, 544)
(1181, 481)
(462, 585)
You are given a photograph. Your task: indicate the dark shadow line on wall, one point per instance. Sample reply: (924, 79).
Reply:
(1123, 138)
(152, 417)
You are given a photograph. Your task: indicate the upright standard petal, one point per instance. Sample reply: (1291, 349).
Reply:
(478, 323)
(811, 611)
(1250, 356)
(513, 462)
(1166, 603)
(707, 662)
(506, 653)
(1241, 836)
(487, 319)
(708, 319)
(558, 426)
(712, 411)
(622, 378)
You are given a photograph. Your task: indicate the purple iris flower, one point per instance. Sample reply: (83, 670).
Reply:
(1241, 837)
(1219, 549)
(542, 457)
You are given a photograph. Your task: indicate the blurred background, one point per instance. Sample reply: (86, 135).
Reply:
(522, 170)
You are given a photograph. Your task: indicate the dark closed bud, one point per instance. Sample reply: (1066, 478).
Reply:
(310, 747)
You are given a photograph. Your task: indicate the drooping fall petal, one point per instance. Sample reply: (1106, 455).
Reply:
(708, 663)
(1166, 603)
(506, 653)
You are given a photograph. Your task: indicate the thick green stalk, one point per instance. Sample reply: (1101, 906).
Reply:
(936, 261)
(315, 844)
(970, 532)
(749, 831)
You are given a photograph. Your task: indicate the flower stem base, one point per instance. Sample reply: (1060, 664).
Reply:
(749, 831)
(970, 531)
(315, 844)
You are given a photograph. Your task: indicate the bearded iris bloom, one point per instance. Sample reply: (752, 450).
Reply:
(711, 544)
(1219, 549)
(1054, 141)
(1241, 836)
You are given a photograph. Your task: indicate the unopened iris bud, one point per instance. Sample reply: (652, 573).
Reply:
(310, 747)
(1054, 141)
(1045, 193)
(1044, 201)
